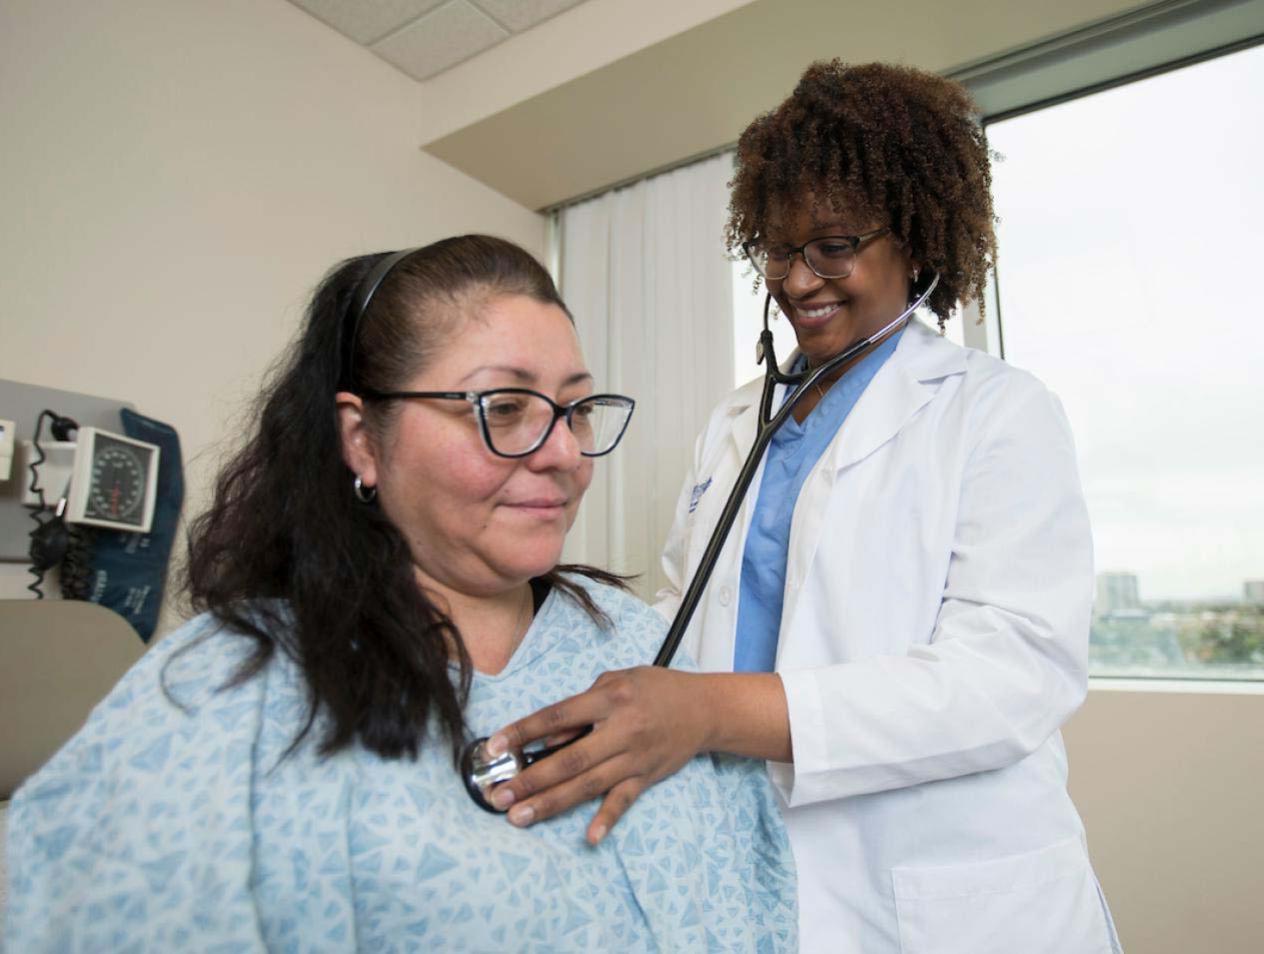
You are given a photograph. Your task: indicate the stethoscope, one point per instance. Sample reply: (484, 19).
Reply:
(482, 773)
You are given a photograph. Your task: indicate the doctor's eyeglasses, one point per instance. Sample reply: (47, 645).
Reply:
(515, 422)
(831, 256)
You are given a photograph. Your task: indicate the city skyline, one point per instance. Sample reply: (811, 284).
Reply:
(1249, 591)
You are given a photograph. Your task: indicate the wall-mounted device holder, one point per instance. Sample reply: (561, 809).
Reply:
(94, 498)
(107, 480)
(23, 403)
(55, 471)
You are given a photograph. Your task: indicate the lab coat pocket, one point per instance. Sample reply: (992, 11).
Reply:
(1040, 902)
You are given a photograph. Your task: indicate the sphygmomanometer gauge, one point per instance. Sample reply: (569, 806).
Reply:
(118, 482)
(114, 482)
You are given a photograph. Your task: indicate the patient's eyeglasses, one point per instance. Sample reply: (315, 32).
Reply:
(515, 422)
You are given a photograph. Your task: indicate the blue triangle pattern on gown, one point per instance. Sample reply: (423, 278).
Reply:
(182, 827)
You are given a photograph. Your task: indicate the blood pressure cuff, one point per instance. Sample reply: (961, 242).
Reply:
(129, 570)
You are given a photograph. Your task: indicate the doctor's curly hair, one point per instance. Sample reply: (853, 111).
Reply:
(903, 143)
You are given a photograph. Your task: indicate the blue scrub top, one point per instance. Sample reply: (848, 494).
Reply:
(794, 451)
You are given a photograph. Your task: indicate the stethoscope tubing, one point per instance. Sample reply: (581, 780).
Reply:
(768, 425)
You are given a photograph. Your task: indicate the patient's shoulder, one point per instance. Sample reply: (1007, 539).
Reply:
(186, 669)
(632, 630)
(182, 691)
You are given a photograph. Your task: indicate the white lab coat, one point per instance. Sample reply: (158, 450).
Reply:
(933, 639)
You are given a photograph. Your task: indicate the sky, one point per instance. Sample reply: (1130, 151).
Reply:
(1130, 278)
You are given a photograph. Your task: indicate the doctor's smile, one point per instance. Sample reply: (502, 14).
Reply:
(809, 315)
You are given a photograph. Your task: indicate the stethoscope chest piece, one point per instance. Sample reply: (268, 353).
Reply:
(482, 772)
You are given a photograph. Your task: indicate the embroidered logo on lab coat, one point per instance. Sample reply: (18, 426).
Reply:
(696, 494)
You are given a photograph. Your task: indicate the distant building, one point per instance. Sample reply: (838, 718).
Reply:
(1253, 592)
(1116, 594)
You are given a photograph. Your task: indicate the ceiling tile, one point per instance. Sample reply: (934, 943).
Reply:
(518, 15)
(452, 33)
(366, 22)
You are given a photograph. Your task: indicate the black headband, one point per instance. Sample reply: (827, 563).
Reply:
(359, 305)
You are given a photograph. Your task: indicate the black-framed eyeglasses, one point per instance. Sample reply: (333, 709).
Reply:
(515, 422)
(831, 256)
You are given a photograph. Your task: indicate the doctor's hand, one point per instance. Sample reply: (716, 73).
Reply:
(647, 722)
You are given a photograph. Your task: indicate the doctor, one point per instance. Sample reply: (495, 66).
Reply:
(906, 596)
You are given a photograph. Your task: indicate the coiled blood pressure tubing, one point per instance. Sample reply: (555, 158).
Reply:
(482, 772)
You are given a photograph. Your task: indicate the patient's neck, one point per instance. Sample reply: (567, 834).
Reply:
(491, 626)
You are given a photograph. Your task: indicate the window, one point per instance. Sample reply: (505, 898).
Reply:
(1130, 229)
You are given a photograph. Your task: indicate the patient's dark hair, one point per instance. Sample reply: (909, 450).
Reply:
(903, 142)
(287, 556)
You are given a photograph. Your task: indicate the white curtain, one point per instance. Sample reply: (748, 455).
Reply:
(644, 271)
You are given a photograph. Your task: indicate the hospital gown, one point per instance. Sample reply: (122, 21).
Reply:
(156, 829)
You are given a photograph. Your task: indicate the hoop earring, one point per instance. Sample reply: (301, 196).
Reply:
(363, 494)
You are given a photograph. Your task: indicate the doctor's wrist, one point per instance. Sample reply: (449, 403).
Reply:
(746, 714)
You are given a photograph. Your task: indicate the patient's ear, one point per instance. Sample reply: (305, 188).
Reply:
(358, 451)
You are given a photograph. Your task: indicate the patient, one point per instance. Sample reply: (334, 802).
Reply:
(379, 571)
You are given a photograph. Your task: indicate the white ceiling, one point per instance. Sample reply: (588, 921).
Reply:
(426, 37)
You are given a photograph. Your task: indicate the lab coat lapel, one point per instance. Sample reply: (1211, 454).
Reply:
(904, 385)
(742, 428)
(898, 391)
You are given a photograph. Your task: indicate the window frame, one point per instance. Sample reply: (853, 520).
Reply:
(1151, 41)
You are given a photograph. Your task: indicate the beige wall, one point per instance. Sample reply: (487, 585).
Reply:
(176, 175)
(1171, 788)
